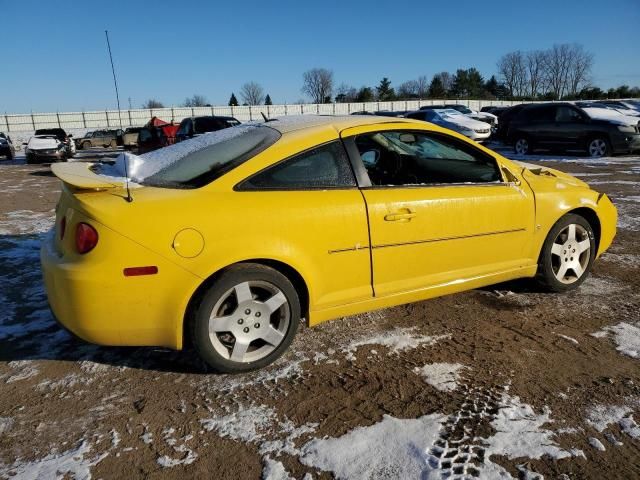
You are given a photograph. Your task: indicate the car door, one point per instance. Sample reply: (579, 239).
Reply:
(311, 205)
(439, 209)
(542, 127)
(570, 127)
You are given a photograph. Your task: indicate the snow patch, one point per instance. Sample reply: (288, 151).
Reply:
(391, 448)
(397, 340)
(5, 424)
(597, 444)
(75, 463)
(442, 376)
(625, 335)
(569, 339)
(247, 425)
(274, 470)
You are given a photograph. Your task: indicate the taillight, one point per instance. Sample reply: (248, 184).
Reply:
(63, 227)
(86, 237)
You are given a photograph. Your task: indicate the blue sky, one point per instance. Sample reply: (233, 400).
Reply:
(54, 54)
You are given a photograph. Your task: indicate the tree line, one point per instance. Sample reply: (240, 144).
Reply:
(562, 72)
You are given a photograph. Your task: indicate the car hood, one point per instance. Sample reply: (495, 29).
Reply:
(531, 171)
(484, 115)
(464, 121)
(611, 116)
(43, 142)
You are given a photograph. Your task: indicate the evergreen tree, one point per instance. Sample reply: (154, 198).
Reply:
(233, 101)
(365, 94)
(492, 86)
(436, 88)
(267, 100)
(385, 92)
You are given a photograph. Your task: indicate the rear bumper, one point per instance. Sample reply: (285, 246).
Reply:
(94, 300)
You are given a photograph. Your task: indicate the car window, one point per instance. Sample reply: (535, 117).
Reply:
(326, 166)
(206, 124)
(399, 158)
(567, 115)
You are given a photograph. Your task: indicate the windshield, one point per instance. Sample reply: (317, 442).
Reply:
(200, 160)
(448, 112)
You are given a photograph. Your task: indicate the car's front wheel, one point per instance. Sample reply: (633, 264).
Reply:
(567, 254)
(598, 147)
(522, 146)
(246, 319)
(86, 145)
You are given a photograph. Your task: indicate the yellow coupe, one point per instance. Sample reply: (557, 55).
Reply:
(224, 242)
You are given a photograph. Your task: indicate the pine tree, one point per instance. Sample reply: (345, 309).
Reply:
(233, 101)
(436, 88)
(267, 100)
(365, 94)
(385, 92)
(492, 86)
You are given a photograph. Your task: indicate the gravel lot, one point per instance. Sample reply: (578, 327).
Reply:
(493, 383)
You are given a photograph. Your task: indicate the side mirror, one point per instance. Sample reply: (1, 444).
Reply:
(70, 135)
(371, 157)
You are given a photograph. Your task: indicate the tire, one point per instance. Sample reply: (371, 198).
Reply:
(113, 144)
(253, 287)
(564, 251)
(598, 147)
(522, 145)
(86, 145)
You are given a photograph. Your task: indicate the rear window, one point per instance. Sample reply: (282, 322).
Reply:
(206, 124)
(200, 160)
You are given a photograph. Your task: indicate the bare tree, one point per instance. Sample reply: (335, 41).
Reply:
(446, 79)
(535, 63)
(346, 93)
(252, 93)
(558, 64)
(318, 84)
(422, 86)
(153, 103)
(195, 101)
(513, 72)
(408, 89)
(579, 72)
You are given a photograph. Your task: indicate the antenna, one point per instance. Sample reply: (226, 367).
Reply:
(128, 198)
(115, 82)
(267, 119)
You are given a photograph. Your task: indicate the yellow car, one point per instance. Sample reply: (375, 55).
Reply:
(224, 242)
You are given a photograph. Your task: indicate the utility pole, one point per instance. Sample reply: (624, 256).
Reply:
(115, 82)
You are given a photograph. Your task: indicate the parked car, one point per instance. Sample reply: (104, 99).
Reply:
(101, 138)
(61, 135)
(6, 147)
(130, 137)
(505, 120)
(622, 106)
(193, 126)
(388, 113)
(480, 116)
(566, 126)
(45, 148)
(494, 110)
(454, 120)
(402, 208)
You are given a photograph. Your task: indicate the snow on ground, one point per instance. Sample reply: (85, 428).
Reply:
(396, 340)
(76, 463)
(625, 335)
(602, 417)
(442, 376)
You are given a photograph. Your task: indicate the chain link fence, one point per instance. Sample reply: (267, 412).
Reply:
(12, 123)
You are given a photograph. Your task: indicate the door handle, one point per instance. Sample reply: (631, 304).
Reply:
(399, 216)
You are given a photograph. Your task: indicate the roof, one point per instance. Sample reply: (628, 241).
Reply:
(338, 122)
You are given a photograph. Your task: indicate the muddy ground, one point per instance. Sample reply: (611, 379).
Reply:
(499, 382)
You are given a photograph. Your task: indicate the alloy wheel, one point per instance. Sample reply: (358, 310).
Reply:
(597, 148)
(249, 321)
(522, 146)
(570, 253)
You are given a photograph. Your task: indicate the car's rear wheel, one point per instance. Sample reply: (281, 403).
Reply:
(86, 145)
(522, 146)
(598, 147)
(567, 254)
(246, 320)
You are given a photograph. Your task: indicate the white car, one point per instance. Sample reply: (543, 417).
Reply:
(456, 121)
(45, 148)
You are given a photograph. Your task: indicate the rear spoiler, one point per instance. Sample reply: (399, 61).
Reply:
(80, 175)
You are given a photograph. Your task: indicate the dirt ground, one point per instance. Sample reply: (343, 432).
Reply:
(499, 382)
